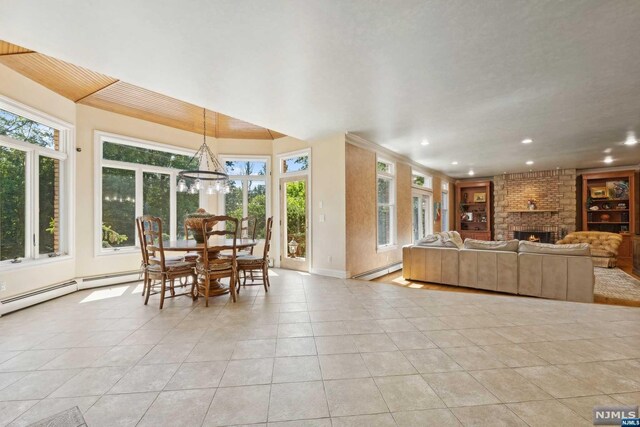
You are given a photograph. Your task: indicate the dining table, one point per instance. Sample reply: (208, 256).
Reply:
(216, 245)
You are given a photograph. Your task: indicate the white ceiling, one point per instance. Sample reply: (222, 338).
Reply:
(474, 77)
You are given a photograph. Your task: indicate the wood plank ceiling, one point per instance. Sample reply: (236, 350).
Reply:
(107, 93)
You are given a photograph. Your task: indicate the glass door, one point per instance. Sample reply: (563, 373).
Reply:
(421, 207)
(294, 222)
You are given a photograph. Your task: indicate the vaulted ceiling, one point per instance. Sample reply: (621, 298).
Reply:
(472, 77)
(87, 87)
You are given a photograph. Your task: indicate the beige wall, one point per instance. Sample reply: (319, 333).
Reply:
(362, 254)
(361, 212)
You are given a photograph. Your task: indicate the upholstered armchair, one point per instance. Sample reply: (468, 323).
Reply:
(604, 246)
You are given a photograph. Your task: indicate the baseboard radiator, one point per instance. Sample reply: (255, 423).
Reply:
(35, 297)
(28, 299)
(110, 279)
(374, 274)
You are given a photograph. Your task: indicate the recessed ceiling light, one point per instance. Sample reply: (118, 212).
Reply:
(424, 142)
(471, 173)
(631, 139)
(455, 162)
(608, 150)
(529, 162)
(527, 141)
(608, 159)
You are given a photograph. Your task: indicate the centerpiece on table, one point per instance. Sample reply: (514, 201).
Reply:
(193, 221)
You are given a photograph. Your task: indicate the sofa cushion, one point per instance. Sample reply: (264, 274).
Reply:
(430, 240)
(451, 239)
(577, 249)
(484, 245)
(441, 240)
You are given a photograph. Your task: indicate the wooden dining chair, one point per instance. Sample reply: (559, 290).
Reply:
(145, 259)
(212, 266)
(144, 264)
(254, 263)
(247, 231)
(162, 271)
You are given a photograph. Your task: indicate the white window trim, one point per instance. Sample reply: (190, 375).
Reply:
(245, 182)
(423, 192)
(277, 244)
(292, 155)
(428, 179)
(100, 138)
(394, 214)
(443, 211)
(66, 154)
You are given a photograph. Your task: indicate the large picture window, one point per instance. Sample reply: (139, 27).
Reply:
(247, 190)
(137, 178)
(33, 180)
(386, 202)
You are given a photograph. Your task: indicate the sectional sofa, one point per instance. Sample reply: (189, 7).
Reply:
(562, 272)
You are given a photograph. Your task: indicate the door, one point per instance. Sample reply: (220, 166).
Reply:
(421, 208)
(294, 213)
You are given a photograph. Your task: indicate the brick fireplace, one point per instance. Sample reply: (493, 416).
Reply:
(554, 193)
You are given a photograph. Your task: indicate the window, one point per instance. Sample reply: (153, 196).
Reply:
(386, 202)
(294, 164)
(34, 206)
(248, 190)
(139, 178)
(445, 206)
(421, 181)
(422, 207)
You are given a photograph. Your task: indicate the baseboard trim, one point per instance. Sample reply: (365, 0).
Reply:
(374, 274)
(339, 274)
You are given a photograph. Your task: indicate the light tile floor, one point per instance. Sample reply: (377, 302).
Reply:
(326, 351)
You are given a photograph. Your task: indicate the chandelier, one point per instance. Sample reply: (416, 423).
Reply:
(209, 169)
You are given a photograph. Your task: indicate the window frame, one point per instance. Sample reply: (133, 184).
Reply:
(428, 180)
(390, 176)
(444, 207)
(245, 182)
(293, 155)
(66, 156)
(140, 169)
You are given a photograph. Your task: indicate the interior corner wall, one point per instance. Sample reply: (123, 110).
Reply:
(361, 212)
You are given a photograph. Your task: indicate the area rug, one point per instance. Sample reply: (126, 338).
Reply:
(69, 418)
(615, 284)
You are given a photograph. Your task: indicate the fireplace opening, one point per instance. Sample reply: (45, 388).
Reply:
(534, 236)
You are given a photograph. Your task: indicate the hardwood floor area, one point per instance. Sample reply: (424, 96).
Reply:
(397, 279)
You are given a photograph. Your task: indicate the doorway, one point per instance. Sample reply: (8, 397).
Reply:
(421, 206)
(294, 222)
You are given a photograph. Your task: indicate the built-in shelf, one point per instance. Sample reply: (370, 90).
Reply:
(609, 210)
(607, 222)
(533, 211)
